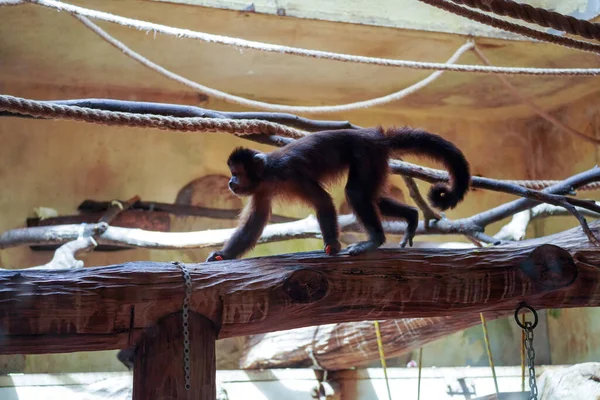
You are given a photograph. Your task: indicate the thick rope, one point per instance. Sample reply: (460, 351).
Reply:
(267, 47)
(263, 105)
(240, 127)
(527, 101)
(536, 15)
(510, 27)
(543, 184)
(489, 352)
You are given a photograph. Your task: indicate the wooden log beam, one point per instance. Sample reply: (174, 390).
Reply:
(61, 311)
(328, 344)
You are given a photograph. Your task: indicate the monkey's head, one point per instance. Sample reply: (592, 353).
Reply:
(247, 167)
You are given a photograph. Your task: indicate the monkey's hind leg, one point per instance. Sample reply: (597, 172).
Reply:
(326, 216)
(364, 207)
(392, 208)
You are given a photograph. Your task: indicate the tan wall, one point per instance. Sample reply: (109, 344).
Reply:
(58, 164)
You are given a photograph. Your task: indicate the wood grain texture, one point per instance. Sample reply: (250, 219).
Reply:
(289, 291)
(340, 346)
(158, 373)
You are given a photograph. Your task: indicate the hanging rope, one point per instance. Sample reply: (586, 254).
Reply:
(489, 352)
(273, 48)
(239, 127)
(509, 26)
(269, 106)
(543, 184)
(382, 358)
(420, 368)
(536, 15)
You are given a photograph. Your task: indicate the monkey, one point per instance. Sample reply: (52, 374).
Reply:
(301, 169)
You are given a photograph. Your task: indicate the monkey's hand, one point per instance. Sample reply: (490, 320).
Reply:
(333, 248)
(216, 256)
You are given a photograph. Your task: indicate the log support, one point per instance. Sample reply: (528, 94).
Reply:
(54, 311)
(159, 369)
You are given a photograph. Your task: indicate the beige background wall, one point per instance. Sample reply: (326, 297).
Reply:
(58, 164)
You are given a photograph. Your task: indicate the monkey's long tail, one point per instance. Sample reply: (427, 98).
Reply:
(420, 142)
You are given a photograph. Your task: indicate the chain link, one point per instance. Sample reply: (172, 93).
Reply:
(530, 360)
(185, 314)
(528, 327)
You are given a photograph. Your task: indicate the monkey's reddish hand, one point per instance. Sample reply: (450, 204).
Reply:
(216, 256)
(333, 248)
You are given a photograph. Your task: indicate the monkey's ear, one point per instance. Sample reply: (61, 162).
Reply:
(259, 159)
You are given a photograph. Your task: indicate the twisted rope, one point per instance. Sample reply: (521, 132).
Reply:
(543, 184)
(536, 15)
(240, 127)
(273, 48)
(230, 98)
(509, 26)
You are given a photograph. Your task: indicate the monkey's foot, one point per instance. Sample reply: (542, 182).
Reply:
(216, 256)
(361, 247)
(333, 248)
(407, 239)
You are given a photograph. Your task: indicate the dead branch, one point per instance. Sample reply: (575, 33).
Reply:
(249, 296)
(428, 213)
(473, 227)
(300, 229)
(116, 207)
(64, 256)
(516, 228)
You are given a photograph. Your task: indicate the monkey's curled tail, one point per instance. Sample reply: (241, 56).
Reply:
(420, 142)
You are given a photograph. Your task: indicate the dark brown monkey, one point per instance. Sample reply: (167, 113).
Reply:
(302, 168)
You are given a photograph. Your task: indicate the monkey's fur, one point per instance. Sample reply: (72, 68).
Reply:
(302, 168)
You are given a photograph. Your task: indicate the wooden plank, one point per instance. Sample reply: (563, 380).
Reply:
(404, 14)
(159, 364)
(249, 296)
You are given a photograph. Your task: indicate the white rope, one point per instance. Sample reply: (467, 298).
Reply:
(210, 38)
(260, 104)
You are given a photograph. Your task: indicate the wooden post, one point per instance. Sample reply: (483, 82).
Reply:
(158, 372)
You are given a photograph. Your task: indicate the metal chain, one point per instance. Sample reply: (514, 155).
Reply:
(185, 314)
(528, 327)
(530, 360)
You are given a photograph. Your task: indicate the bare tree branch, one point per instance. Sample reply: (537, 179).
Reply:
(516, 228)
(428, 213)
(472, 227)
(64, 256)
(116, 207)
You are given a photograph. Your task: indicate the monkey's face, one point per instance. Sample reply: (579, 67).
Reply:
(247, 167)
(240, 183)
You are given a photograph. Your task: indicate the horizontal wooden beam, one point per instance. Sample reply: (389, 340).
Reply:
(328, 344)
(72, 310)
